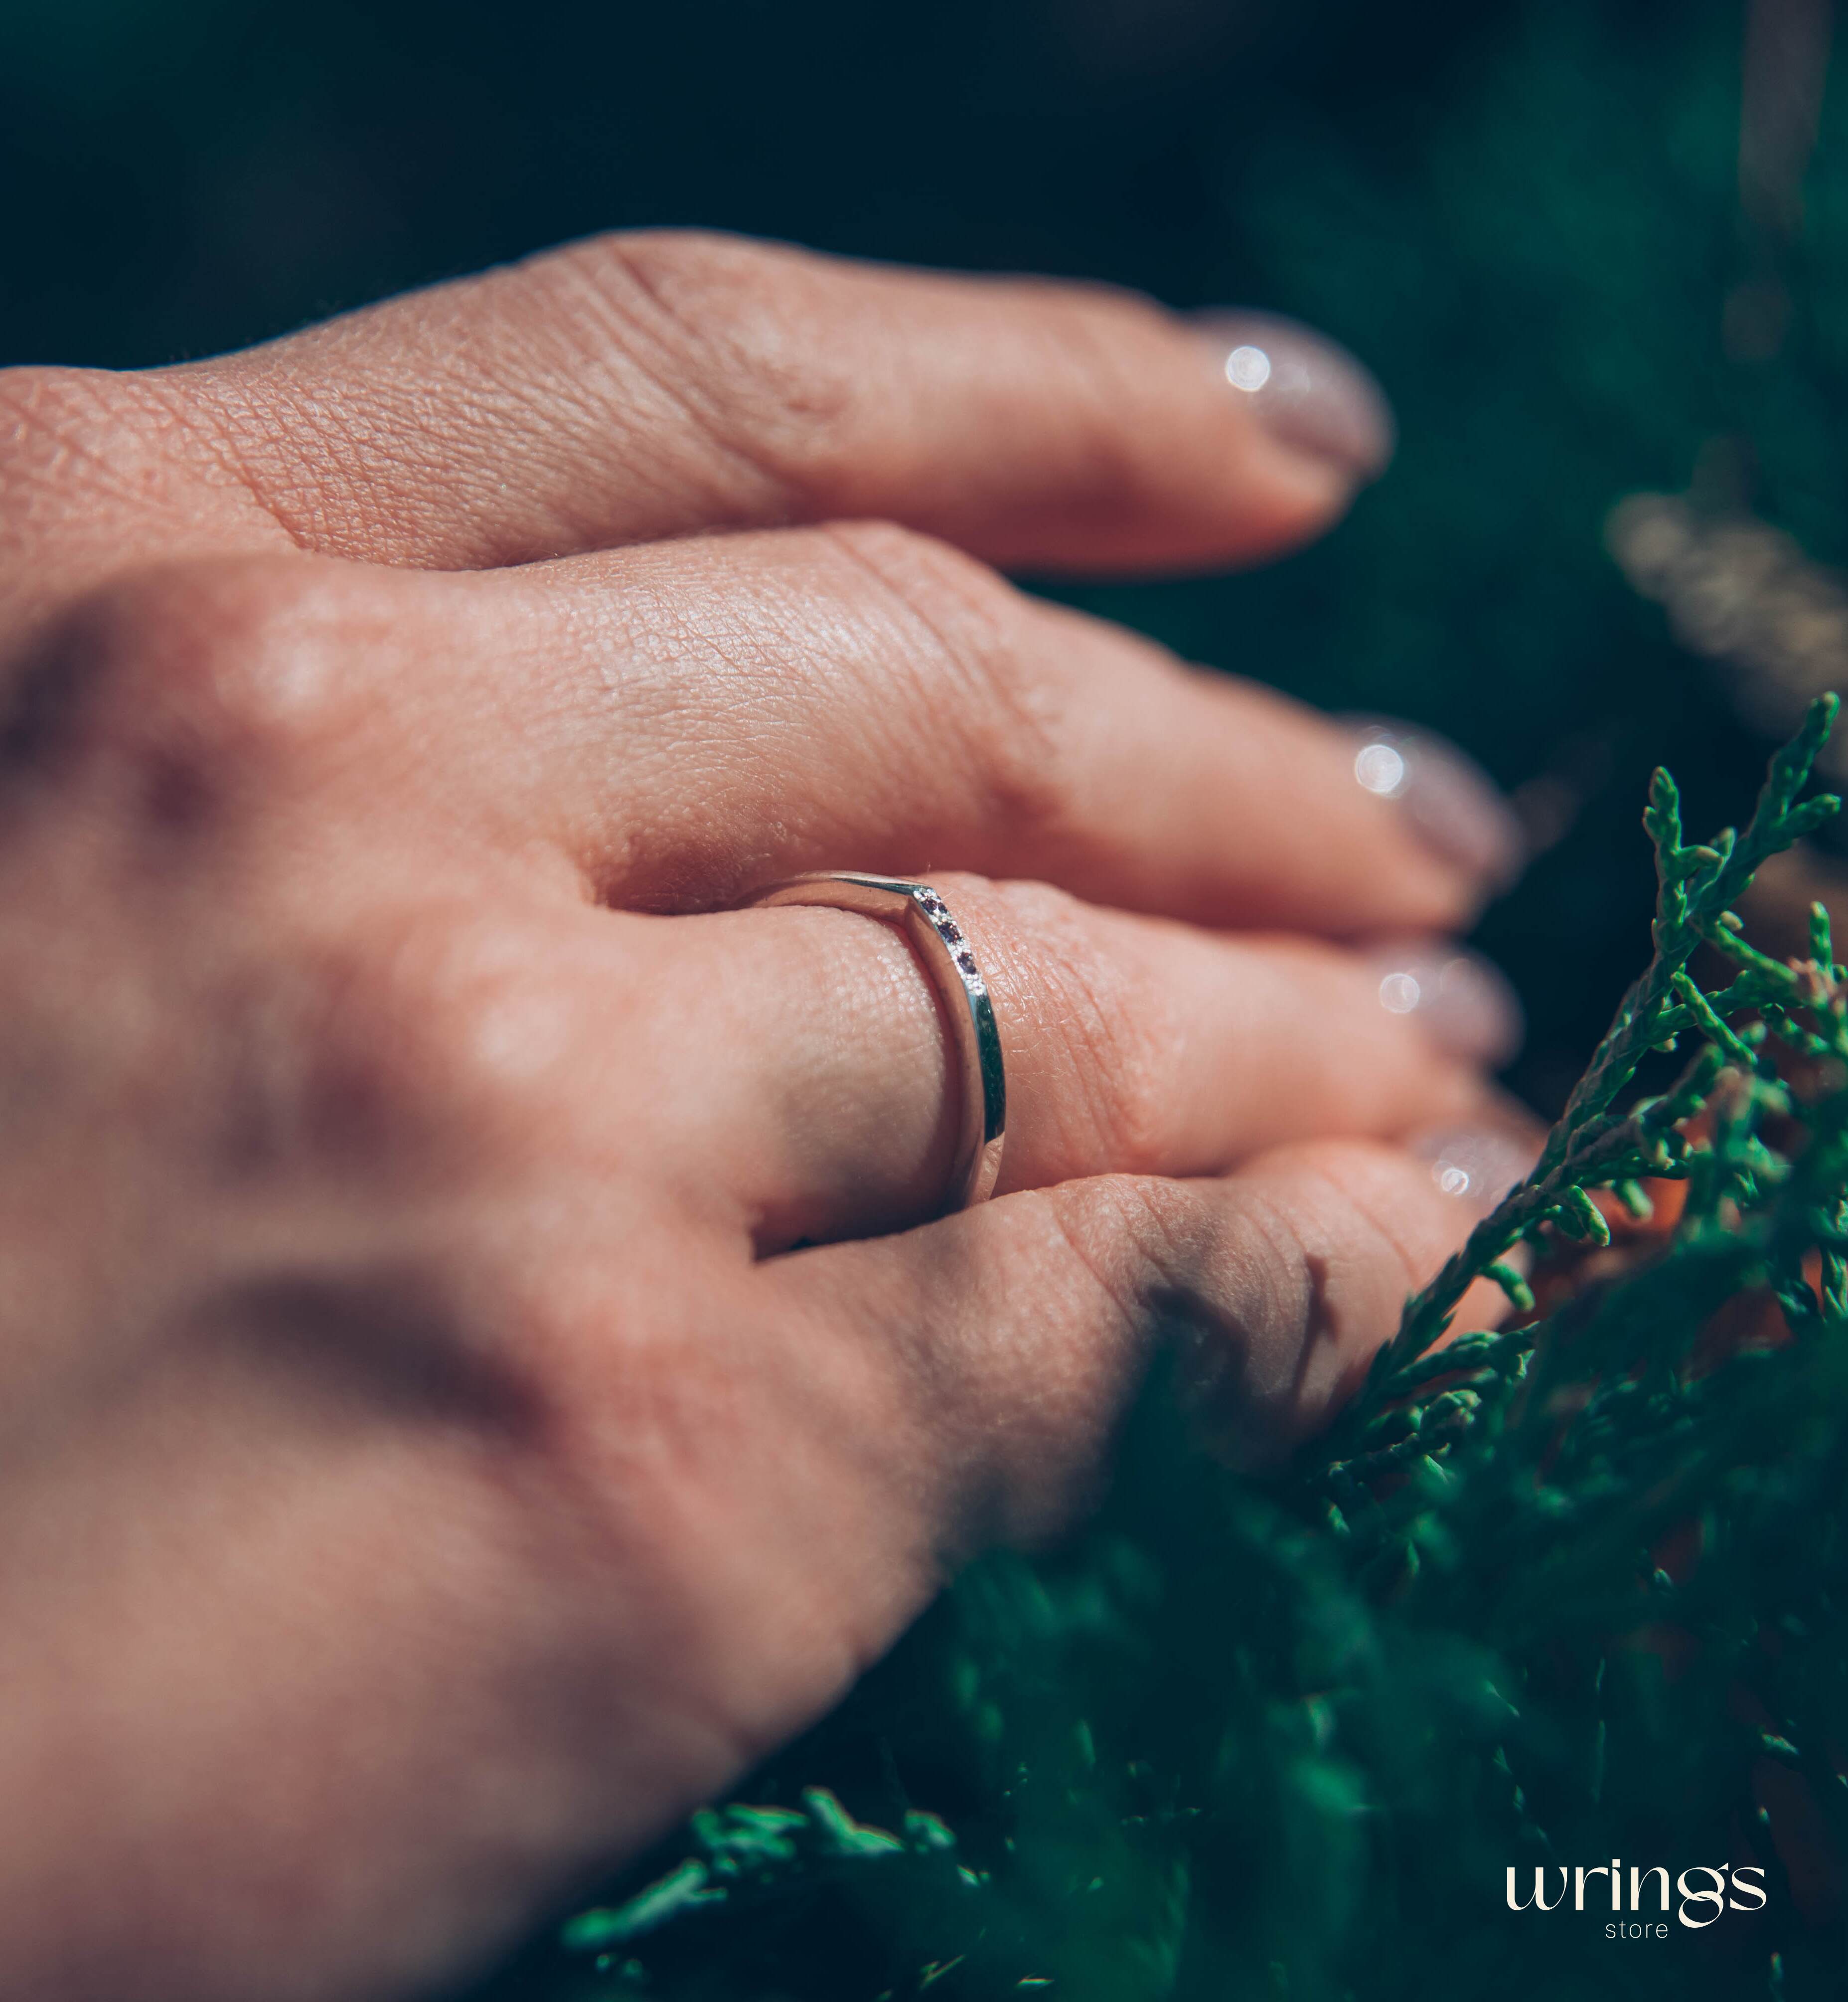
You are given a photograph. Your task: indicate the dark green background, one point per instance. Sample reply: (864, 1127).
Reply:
(1523, 215)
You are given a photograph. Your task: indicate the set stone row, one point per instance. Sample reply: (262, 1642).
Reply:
(947, 929)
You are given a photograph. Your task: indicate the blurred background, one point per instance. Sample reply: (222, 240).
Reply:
(1592, 247)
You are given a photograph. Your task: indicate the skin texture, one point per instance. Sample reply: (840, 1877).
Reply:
(429, 1464)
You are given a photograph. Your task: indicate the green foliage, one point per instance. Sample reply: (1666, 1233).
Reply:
(1573, 1591)
(1590, 1146)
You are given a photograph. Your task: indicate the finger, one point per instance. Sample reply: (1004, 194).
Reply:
(1019, 1329)
(1132, 1045)
(690, 721)
(863, 694)
(638, 386)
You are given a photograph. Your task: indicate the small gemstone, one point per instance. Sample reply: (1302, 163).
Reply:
(930, 900)
(947, 930)
(966, 960)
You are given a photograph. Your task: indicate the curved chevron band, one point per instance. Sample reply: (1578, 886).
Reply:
(916, 909)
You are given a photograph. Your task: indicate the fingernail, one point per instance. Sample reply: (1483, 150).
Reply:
(1478, 1165)
(1461, 1003)
(1447, 796)
(1306, 391)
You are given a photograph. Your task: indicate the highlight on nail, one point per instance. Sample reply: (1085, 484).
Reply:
(1380, 766)
(1307, 391)
(1475, 1165)
(1463, 1002)
(1449, 799)
(1248, 368)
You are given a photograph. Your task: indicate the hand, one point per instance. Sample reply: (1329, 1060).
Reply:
(428, 1467)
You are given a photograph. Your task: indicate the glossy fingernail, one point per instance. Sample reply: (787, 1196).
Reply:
(1446, 795)
(1309, 393)
(1477, 1165)
(1461, 1003)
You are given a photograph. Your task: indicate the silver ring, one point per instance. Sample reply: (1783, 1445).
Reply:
(937, 939)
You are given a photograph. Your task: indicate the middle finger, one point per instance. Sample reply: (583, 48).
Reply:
(688, 721)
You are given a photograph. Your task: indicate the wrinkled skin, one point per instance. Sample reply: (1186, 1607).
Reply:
(429, 1464)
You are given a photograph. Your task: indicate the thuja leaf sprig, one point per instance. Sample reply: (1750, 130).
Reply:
(1593, 1146)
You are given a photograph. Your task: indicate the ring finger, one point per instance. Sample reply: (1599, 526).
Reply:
(1131, 1045)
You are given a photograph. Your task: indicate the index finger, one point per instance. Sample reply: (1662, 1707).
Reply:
(635, 387)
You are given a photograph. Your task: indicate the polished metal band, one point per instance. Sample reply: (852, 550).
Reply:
(938, 940)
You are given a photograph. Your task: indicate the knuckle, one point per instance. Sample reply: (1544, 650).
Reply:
(1322, 1240)
(745, 337)
(1097, 1005)
(408, 1044)
(1281, 1288)
(939, 582)
(187, 687)
(703, 269)
(984, 669)
(1103, 349)
(1135, 1235)
(1379, 1209)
